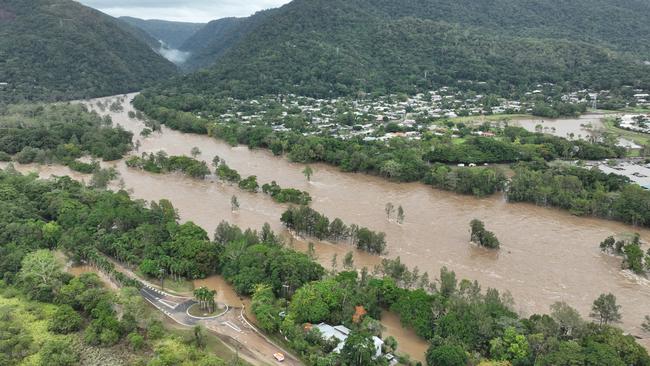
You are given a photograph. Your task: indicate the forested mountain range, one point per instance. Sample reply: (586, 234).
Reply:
(217, 37)
(60, 49)
(337, 47)
(174, 34)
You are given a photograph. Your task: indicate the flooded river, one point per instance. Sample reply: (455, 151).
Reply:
(547, 255)
(576, 128)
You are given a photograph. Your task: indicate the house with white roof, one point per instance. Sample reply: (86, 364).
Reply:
(341, 333)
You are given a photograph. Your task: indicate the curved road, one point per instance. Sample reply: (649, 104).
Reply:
(231, 327)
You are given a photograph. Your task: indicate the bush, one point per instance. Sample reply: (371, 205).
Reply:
(65, 320)
(446, 355)
(155, 330)
(58, 352)
(136, 341)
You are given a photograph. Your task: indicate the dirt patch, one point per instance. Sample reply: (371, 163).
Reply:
(6, 15)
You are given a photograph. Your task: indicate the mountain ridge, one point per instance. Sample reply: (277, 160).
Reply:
(325, 48)
(60, 50)
(173, 34)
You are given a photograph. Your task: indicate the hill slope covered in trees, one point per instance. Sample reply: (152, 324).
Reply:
(322, 48)
(59, 49)
(174, 34)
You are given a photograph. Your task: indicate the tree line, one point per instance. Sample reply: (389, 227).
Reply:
(457, 317)
(630, 250)
(398, 159)
(35, 133)
(160, 162)
(305, 220)
(581, 191)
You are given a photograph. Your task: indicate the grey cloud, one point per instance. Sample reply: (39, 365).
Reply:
(183, 10)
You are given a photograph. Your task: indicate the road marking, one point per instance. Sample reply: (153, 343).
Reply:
(233, 326)
(169, 304)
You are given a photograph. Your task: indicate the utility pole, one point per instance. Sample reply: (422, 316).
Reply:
(162, 279)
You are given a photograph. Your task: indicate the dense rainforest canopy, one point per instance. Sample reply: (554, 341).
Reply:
(325, 48)
(61, 50)
(173, 34)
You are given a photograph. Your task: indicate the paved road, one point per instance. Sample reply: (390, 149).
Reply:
(230, 326)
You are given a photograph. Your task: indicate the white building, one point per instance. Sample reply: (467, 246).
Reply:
(341, 333)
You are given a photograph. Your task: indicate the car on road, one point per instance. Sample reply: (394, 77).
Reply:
(278, 356)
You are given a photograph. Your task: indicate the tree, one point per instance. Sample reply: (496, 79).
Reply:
(40, 275)
(263, 306)
(400, 215)
(482, 237)
(205, 298)
(359, 349)
(195, 152)
(308, 172)
(58, 352)
(389, 209)
(512, 346)
(215, 161)
(65, 320)
(136, 341)
(234, 204)
(447, 355)
(477, 228)
(567, 318)
(605, 309)
(348, 261)
(646, 324)
(199, 336)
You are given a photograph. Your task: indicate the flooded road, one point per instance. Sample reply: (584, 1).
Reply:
(547, 255)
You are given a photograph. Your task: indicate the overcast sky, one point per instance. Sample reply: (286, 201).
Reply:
(182, 10)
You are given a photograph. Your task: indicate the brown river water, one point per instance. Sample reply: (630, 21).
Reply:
(547, 255)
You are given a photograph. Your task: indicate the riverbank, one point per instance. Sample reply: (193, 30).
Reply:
(547, 255)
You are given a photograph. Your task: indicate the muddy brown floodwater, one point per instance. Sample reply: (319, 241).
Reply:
(546, 256)
(582, 126)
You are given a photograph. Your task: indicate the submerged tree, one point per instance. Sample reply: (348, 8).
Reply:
(308, 172)
(646, 324)
(605, 309)
(234, 203)
(481, 236)
(389, 209)
(400, 215)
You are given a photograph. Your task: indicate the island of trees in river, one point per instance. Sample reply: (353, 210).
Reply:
(582, 191)
(91, 224)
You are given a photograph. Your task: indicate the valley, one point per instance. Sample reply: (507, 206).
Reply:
(434, 234)
(324, 183)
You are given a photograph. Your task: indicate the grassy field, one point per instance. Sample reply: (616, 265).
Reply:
(195, 310)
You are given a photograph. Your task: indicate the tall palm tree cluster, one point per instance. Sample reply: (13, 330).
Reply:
(205, 297)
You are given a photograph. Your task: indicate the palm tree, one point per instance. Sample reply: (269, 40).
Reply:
(205, 298)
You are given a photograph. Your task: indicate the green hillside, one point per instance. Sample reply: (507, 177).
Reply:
(336, 47)
(174, 34)
(59, 49)
(217, 37)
